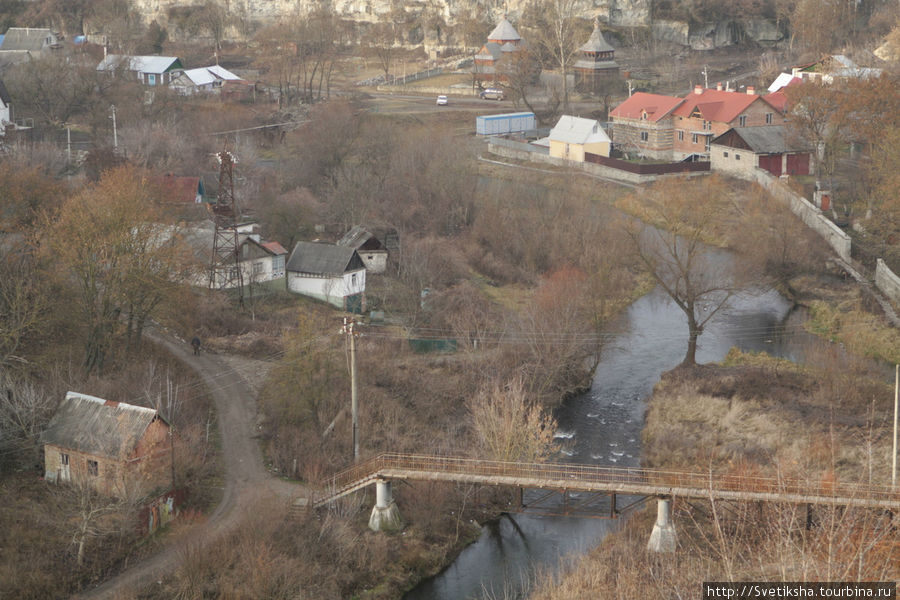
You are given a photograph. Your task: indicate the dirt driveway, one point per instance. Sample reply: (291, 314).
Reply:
(246, 480)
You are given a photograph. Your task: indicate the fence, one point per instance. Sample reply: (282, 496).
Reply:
(885, 279)
(647, 169)
(520, 146)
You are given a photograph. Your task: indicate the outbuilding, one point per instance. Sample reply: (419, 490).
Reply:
(370, 249)
(740, 150)
(112, 446)
(328, 272)
(573, 137)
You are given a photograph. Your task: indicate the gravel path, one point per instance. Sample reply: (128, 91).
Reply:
(246, 480)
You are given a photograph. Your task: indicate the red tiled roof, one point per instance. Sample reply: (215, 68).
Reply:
(274, 247)
(716, 105)
(656, 106)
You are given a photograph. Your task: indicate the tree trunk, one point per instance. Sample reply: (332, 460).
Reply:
(694, 331)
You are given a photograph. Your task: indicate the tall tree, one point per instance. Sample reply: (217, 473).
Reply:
(819, 116)
(560, 35)
(111, 245)
(671, 239)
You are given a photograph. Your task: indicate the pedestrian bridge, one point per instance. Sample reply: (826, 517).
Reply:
(610, 480)
(566, 479)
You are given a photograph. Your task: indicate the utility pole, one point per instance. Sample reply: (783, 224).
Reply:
(894, 457)
(112, 107)
(350, 330)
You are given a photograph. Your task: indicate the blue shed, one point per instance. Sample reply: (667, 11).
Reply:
(506, 123)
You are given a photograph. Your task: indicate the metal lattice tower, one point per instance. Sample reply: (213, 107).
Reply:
(225, 269)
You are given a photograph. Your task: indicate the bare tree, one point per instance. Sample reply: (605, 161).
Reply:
(510, 427)
(559, 37)
(24, 411)
(672, 239)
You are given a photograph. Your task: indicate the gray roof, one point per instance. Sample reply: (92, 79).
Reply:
(27, 38)
(576, 130)
(357, 237)
(139, 64)
(504, 31)
(596, 43)
(494, 52)
(323, 259)
(99, 427)
(769, 139)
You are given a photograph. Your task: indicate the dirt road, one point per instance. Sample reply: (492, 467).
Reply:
(246, 480)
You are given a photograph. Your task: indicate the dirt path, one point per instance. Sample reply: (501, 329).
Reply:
(246, 480)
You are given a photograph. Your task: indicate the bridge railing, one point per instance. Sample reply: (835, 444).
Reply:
(557, 474)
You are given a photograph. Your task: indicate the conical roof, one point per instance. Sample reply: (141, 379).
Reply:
(504, 32)
(596, 43)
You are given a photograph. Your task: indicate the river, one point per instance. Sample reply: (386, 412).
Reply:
(603, 426)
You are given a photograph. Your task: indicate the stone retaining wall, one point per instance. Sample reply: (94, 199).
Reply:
(887, 281)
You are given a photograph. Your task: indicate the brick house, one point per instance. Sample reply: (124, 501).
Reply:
(643, 125)
(113, 446)
(705, 114)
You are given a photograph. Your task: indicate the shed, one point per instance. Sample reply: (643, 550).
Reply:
(740, 150)
(573, 137)
(328, 272)
(29, 39)
(370, 249)
(113, 446)
(505, 123)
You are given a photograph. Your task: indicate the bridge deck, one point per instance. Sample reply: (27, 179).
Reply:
(573, 477)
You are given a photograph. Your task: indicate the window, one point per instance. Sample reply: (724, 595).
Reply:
(257, 268)
(644, 136)
(742, 121)
(93, 468)
(769, 118)
(737, 157)
(64, 459)
(694, 138)
(680, 135)
(707, 125)
(353, 280)
(644, 116)
(725, 154)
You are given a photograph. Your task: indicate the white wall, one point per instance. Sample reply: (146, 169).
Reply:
(328, 289)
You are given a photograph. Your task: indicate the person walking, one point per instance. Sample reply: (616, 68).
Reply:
(196, 345)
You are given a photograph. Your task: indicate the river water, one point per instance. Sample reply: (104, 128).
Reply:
(603, 426)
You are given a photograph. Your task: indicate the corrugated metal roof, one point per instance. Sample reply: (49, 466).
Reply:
(26, 38)
(223, 73)
(504, 32)
(359, 236)
(139, 64)
(323, 259)
(96, 426)
(208, 75)
(577, 130)
(769, 139)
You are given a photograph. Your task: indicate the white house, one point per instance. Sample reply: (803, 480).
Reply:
(208, 80)
(327, 272)
(150, 70)
(573, 137)
(5, 108)
(370, 249)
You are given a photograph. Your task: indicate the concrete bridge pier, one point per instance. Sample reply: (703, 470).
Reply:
(385, 514)
(663, 539)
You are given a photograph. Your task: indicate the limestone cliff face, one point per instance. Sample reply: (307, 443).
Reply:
(626, 13)
(616, 13)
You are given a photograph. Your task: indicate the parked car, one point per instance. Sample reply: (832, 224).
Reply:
(492, 94)
(442, 101)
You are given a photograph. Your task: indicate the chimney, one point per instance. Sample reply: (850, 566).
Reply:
(698, 89)
(719, 86)
(751, 90)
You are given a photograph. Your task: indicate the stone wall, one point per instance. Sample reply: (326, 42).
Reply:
(887, 281)
(808, 213)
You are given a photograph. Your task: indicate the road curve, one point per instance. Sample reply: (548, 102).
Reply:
(246, 480)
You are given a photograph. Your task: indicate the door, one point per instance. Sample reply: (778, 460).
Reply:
(771, 163)
(64, 467)
(798, 164)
